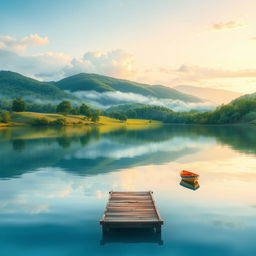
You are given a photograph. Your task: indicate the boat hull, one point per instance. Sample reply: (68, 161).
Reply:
(191, 179)
(189, 176)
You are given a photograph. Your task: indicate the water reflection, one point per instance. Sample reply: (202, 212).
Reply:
(88, 151)
(53, 190)
(189, 180)
(18, 144)
(131, 236)
(190, 185)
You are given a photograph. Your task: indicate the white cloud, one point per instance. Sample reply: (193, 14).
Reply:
(54, 66)
(35, 40)
(115, 150)
(47, 66)
(20, 45)
(117, 63)
(44, 66)
(46, 186)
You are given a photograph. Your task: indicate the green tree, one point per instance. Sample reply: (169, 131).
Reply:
(5, 117)
(122, 117)
(64, 107)
(95, 115)
(75, 110)
(18, 105)
(251, 116)
(59, 122)
(40, 122)
(85, 110)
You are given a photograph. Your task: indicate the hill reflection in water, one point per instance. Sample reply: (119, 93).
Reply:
(55, 182)
(88, 151)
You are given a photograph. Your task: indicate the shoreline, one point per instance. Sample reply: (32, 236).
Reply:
(52, 120)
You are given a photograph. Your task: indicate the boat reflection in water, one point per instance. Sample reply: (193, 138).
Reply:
(131, 236)
(190, 185)
(189, 180)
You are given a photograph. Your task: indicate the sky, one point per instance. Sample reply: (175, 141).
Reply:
(171, 42)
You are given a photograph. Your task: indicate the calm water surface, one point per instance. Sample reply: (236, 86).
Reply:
(54, 187)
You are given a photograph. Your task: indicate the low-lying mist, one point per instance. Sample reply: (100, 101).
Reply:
(42, 101)
(105, 100)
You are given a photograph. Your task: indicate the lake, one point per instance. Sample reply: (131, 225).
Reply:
(54, 186)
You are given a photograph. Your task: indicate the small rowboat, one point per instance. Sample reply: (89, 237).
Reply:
(189, 176)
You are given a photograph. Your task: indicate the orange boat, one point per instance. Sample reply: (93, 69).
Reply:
(189, 176)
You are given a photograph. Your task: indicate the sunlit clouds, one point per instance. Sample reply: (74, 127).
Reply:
(116, 63)
(186, 73)
(9, 43)
(119, 63)
(204, 44)
(55, 65)
(14, 56)
(227, 25)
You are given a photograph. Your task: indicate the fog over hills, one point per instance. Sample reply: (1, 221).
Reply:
(100, 83)
(98, 91)
(104, 92)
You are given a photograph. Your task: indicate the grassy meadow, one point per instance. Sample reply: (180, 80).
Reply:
(31, 119)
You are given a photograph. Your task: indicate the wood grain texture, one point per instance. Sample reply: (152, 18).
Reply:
(131, 209)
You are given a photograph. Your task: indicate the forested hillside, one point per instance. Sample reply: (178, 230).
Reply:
(100, 83)
(13, 85)
(240, 111)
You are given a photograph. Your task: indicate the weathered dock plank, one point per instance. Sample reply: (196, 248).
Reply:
(131, 210)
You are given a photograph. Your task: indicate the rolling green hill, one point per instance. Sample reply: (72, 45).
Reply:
(13, 85)
(100, 83)
(251, 96)
(95, 90)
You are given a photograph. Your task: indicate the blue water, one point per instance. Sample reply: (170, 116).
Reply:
(54, 186)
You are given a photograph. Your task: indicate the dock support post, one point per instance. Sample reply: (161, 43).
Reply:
(158, 229)
(105, 229)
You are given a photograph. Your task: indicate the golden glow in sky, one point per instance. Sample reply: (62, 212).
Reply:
(199, 43)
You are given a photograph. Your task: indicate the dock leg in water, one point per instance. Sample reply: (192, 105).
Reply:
(158, 229)
(105, 229)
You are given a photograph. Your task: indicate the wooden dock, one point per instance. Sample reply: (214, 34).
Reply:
(131, 210)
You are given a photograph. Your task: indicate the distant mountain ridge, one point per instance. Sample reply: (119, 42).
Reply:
(100, 83)
(13, 85)
(98, 91)
(218, 96)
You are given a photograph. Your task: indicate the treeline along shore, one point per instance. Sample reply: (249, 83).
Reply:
(240, 111)
(21, 113)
